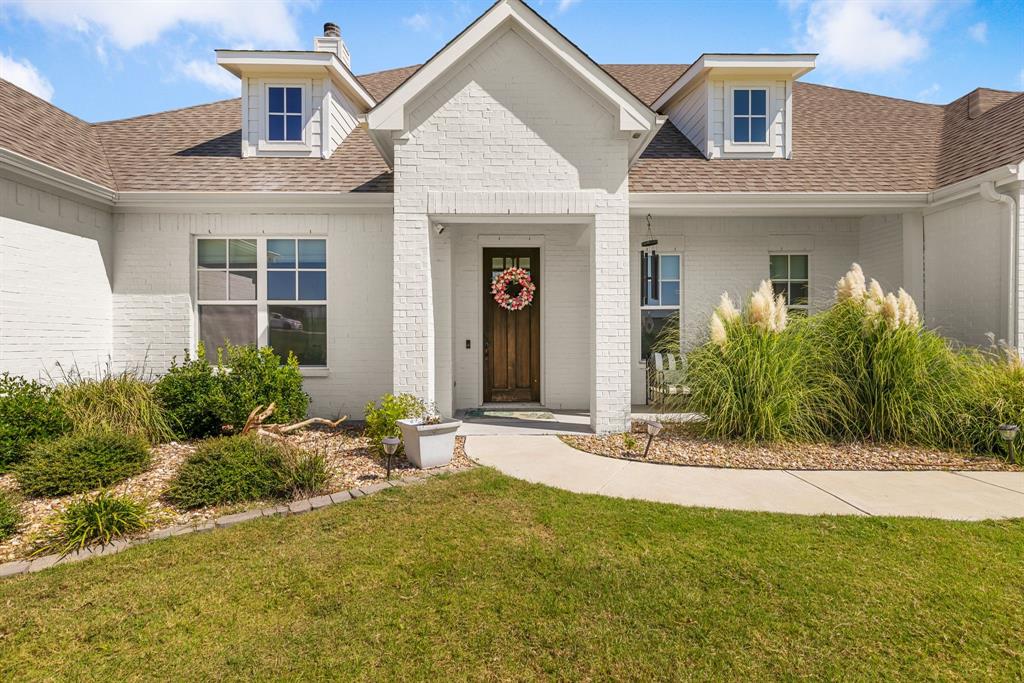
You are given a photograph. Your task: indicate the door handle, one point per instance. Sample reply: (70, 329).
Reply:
(487, 349)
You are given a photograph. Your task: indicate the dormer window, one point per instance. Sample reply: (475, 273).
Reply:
(284, 113)
(750, 115)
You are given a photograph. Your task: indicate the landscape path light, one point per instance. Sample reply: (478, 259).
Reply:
(1009, 433)
(390, 448)
(653, 429)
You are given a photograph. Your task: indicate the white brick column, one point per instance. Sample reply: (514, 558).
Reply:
(413, 323)
(610, 348)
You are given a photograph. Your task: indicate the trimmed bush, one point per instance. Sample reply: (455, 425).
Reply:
(9, 516)
(237, 469)
(190, 395)
(27, 414)
(120, 402)
(97, 519)
(382, 420)
(250, 377)
(80, 462)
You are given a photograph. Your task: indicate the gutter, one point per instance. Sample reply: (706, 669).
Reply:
(989, 193)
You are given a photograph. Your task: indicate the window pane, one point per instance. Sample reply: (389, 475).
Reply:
(652, 323)
(741, 131)
(236, 324)
(213, 254)
(798, 267)
(276, 127)
(524, 262)
(213, 285)
(758, 102)
(301, 330)
(280, 253)
(276, 104)
(758, 129)
(779, 269)
(740, 102)
(242, 285)
(281, 285)
(312, 285)
(294, 127)
(312, 254)
(294, 100)
(783, 289)
(669, 293)
(669, 268)
(798, 294)
(497, 263)
(242, 253)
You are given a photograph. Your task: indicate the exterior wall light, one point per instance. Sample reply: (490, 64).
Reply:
(390, 448)
(653, 429)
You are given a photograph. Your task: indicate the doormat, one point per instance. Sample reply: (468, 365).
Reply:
(510, 414)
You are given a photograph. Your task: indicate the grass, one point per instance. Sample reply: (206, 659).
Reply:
(121, 402)
(477, 575)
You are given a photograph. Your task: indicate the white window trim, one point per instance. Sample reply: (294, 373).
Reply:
(304, 145)
(678, 308)
(789, 255)
(261, 302)
(730, 129)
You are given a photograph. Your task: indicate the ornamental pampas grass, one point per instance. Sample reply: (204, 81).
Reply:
(908, 309)
(718, 334)
(727, 310)
(851, 287)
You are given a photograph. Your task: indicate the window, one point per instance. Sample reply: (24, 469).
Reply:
(659, 296)
(284, 114)
(789, 277)
(270, 292)
(750, 115)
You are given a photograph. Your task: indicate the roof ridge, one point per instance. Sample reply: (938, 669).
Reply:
(165, 111)
(46, 103)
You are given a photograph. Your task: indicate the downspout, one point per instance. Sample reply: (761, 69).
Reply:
(989, 193)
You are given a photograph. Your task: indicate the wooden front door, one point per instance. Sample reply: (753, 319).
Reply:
(511, 338)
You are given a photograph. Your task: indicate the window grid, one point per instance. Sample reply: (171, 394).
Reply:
(750, 115)
(284, 113)
(654, 315)
(790, 276)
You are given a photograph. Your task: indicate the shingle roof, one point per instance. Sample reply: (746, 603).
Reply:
(843, 141)
(35, 128)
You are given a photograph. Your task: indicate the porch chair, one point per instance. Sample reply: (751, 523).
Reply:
(666, 377)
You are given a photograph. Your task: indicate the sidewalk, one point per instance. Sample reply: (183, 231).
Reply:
(943, 495)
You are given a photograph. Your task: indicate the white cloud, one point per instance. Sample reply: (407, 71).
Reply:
(210, 75)
(929, 93)
(979, 32)
(865, 35)
(24, 74)
(128, 25)
(566, 5)
(419, 21)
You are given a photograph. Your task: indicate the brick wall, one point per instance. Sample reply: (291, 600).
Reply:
(55, 300)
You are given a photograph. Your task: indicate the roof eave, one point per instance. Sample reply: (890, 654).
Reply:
(242, 62)
(792, 66)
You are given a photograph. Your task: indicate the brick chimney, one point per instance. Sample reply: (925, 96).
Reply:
(331, 41)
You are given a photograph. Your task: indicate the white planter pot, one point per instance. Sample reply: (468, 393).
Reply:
(429, 446)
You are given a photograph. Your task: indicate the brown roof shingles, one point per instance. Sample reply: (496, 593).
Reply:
(36, 129)
(843, 141)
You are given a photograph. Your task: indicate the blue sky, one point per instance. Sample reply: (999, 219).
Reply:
(106, 59)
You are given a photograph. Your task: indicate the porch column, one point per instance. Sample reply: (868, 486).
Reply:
(913, 257)
(413, 320)
(610, 334)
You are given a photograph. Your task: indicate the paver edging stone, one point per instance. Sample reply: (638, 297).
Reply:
(31, 565)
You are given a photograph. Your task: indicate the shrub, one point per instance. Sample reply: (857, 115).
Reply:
(236, 469)
(751, 380)
(190, 395)
(305, 473)
(120, 402)
(81, 461)
(250, 377)
(996, 397)
(27, 414)
(97, 519)
(382, 420)
(9, 516)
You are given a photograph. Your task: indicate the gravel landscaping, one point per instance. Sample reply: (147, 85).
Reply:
(350, 459)
(678, 444)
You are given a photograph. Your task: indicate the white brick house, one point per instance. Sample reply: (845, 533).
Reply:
(358, 220)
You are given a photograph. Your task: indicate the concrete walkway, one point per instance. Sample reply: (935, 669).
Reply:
(943, 495)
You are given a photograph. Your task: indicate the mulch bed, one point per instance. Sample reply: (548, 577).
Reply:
(679, 444)
(351, 462)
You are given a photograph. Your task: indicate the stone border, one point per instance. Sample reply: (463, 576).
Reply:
(295, 507)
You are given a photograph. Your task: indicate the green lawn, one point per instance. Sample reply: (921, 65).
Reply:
(480, 576)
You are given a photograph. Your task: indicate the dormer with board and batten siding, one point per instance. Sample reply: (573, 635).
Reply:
(297, 103)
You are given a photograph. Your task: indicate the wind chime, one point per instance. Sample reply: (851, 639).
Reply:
(649, 265)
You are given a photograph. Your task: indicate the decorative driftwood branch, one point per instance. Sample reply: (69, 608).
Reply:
(259, 414)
